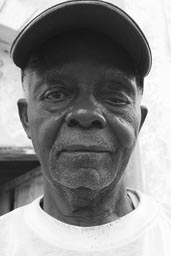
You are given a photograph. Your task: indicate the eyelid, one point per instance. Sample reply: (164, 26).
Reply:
(59, 89)
(53, 90)
(120, 97)
(116, 93)
(118, 102)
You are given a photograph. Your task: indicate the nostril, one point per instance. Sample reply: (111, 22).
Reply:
(97, 124)
(73, 122)
(85, 120)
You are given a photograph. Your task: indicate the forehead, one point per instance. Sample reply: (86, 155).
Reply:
(80, 46)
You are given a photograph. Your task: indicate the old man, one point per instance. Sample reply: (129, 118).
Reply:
(83, 65)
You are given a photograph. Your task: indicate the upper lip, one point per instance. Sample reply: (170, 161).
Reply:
(86, 148)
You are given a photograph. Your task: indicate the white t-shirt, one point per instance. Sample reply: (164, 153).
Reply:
(30, 231)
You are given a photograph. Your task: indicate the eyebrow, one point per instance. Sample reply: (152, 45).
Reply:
(116, 73)
(53, 75)
(50, 77)
(120, 76)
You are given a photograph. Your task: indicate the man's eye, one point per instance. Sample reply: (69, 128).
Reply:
(117, 100)
(55, 95)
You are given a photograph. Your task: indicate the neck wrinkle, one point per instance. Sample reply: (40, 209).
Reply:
(82, 207)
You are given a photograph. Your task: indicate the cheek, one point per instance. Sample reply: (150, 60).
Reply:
(44, 130)
(125, 127)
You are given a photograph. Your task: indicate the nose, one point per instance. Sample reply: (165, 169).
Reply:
(85, 118)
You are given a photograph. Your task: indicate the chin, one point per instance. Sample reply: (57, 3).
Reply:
(87, 178)
(92, 171)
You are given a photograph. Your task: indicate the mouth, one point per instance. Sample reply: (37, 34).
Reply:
(85, 149)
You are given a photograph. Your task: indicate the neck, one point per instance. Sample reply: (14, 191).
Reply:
(84, 207)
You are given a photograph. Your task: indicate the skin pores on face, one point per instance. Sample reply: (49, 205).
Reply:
(84, 112)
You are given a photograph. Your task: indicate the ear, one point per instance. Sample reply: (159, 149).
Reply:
(23, 114)
(144, 112)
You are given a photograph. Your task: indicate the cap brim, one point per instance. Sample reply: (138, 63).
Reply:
(95, 15)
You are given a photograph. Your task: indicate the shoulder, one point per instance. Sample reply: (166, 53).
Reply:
(16, 217)
(8, 227)
(7, 219)
(166, 210)
(152, 207)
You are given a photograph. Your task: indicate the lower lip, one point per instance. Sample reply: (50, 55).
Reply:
(83, 152)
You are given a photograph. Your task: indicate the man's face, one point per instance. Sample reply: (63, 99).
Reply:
(83, 113)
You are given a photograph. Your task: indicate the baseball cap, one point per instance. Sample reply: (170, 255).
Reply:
(100, 16)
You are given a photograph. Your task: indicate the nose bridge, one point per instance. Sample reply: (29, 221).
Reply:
(86, 103)
(86, 114)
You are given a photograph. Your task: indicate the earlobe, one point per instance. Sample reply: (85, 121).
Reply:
(23, 114)
(144, 112)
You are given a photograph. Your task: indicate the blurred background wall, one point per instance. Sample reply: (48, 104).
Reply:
(150, 165)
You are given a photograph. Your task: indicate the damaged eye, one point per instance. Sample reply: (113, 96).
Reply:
(118, 100)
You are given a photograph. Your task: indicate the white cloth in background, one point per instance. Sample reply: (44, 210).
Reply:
(30, 231)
